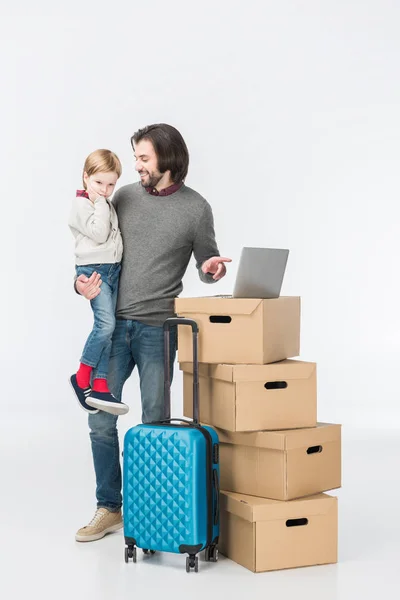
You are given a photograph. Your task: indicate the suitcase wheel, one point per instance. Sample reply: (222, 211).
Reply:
(146, 551)
(211, 554)
(192, 562)
(130, 552)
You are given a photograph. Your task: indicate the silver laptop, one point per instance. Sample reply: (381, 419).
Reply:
(260, 273)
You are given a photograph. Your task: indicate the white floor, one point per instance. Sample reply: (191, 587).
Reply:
(47, 493)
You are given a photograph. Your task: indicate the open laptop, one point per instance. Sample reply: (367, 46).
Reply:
(260, 273)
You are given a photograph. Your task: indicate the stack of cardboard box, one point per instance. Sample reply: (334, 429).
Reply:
(275, 459)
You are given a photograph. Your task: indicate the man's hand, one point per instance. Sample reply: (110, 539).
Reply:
(215, 266)
(89, 287)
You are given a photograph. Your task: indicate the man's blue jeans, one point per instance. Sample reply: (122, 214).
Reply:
(133, 343)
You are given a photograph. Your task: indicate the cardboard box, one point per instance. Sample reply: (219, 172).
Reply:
(240, 331)
(281, 395)
(265, 535)
(281, 464)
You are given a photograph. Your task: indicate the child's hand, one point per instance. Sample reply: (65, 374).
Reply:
(93, 193)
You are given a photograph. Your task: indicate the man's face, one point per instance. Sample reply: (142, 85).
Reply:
(146, 164)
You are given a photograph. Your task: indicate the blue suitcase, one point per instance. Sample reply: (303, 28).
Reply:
(171, 479)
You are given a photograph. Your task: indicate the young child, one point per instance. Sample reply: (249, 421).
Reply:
(98, 247)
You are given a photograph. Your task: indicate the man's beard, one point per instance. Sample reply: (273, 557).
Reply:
(151, 180)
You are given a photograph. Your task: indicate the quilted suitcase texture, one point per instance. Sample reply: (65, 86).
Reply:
(171, 479)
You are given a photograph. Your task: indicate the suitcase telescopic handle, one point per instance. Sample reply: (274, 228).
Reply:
(172, 322)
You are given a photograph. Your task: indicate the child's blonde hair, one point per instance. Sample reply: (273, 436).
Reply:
(101, 161)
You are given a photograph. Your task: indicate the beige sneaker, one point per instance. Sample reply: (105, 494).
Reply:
(102, 523)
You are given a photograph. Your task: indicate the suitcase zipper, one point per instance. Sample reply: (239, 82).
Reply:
(209, 479)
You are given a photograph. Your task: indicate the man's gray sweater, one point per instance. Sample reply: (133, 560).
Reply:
(159, 235)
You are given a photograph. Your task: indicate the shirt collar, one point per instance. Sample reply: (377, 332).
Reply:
(82, 193)
(166, 191)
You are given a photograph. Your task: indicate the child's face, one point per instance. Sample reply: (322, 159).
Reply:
(100, 183)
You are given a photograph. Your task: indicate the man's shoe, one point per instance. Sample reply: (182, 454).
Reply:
(107, 402)
(82, 394)
(103, 522)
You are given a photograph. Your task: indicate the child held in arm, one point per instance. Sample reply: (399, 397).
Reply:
(98, 247)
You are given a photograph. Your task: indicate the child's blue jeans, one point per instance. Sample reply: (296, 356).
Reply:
(96, 352)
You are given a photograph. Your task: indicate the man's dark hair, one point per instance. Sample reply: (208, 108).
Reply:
(169, 146)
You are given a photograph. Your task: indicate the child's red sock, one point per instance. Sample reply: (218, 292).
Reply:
(83, 376)
(100, 385)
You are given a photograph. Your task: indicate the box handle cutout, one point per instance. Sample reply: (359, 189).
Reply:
(275, 385)
(220, 319)
(314, 449)
(296, 522)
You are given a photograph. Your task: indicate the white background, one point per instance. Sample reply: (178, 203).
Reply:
(290, 110)
(291, 114)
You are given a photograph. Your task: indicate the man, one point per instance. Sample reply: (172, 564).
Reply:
(162, 222)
